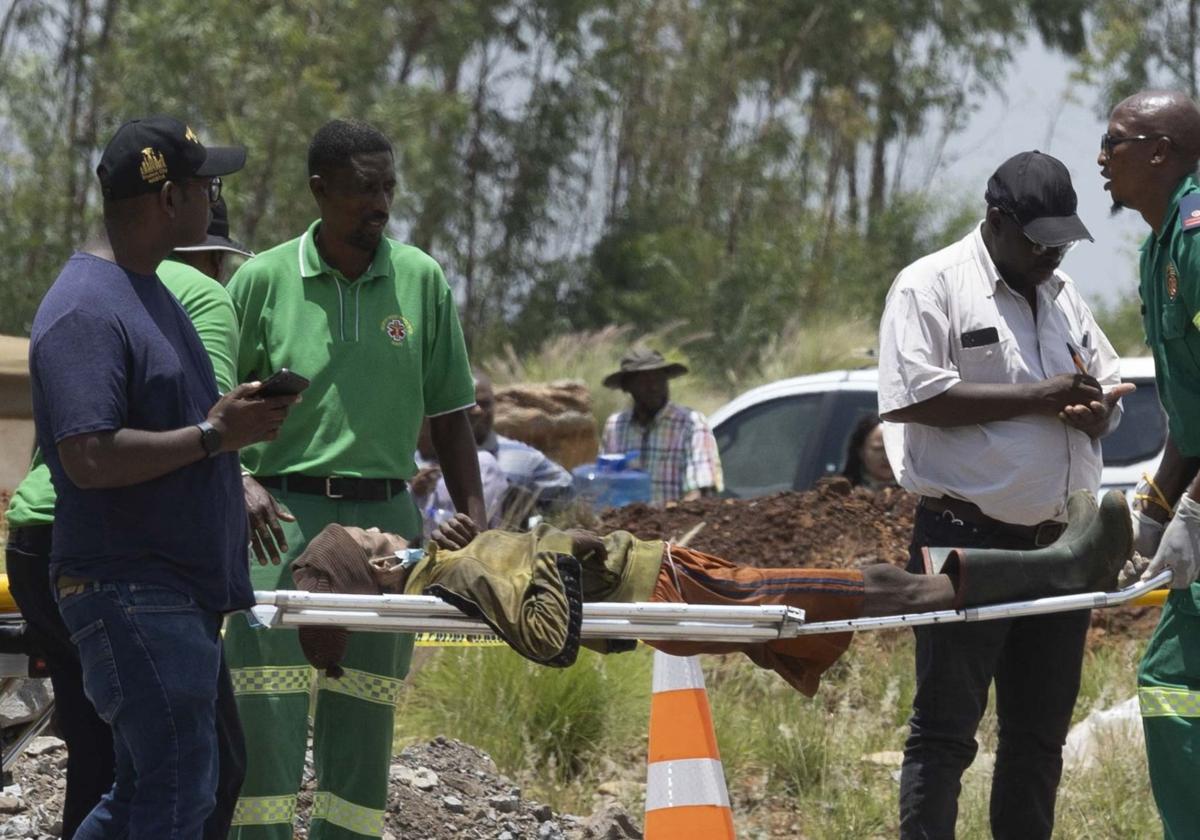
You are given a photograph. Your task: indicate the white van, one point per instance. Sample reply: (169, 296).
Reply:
(787, 434)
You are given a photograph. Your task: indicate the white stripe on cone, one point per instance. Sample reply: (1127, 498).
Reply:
(689, 781)
(673, 673)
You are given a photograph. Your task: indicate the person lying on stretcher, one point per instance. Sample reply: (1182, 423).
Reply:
(530, 587)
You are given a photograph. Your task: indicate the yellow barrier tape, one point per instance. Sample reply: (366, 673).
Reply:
(1154, 598)
(456, 640)
(7, 603)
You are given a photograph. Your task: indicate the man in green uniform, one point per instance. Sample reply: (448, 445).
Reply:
(191, 276)
(1148, 159)
(372, 323)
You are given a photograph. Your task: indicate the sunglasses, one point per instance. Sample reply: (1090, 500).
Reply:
(1038, 249)
(1109, 142)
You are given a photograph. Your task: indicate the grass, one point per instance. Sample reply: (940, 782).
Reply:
(824, 768)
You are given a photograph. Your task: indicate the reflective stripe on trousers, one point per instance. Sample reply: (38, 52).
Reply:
(363, 685)
(347, 815)
(1159, 701)
(269, 680)
(264, 810)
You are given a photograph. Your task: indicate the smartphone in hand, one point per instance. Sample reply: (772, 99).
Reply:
(282, 383)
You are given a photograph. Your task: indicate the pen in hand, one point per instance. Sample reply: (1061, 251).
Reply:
(1078, 361)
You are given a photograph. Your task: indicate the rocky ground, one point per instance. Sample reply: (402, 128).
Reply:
(440, 790)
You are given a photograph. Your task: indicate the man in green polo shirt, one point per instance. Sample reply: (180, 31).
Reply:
(190, 274)
(372, 323)
(1148, 158)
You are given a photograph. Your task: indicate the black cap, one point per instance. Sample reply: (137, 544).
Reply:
(144, 153)
(1036, 190)
(218, 234)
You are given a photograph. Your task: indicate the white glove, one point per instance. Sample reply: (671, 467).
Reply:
(1147, 533)
(1179, 550)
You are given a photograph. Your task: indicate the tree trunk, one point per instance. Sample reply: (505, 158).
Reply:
(1191, 48)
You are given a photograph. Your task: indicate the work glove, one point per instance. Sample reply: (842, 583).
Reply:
(1179, 549)
(1147, 533)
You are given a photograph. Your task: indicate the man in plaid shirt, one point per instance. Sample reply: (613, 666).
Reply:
(676, 445)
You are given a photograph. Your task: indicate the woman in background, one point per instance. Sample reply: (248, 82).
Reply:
(866, 461)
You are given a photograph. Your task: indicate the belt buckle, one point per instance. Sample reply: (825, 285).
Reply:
(329, 494)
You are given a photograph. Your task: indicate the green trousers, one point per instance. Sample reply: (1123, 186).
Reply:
(1169, 695)
(354, 714)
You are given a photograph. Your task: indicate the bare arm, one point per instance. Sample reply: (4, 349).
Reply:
(98, 460)
(969, 403)
(455, 445)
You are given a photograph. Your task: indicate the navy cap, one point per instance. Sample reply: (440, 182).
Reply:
(218, 234)
(1035, 189)
(146, 152)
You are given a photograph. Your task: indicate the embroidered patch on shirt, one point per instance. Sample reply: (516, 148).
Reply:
(1189, 211)
(397, 328)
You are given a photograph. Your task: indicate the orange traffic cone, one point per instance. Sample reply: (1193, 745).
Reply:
(685, 784)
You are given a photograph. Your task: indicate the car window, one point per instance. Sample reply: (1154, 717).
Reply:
(848, 408)
(762, 447)
(1143, 430)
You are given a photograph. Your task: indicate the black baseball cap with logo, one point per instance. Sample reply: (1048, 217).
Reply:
(1035, 189)
(146, 152)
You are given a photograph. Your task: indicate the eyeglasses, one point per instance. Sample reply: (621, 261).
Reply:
(212, 187)
(1038, 249)
(1108, 142)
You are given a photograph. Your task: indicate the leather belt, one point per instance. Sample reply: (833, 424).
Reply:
(337, 487)
(1041, 534)
(68, 585)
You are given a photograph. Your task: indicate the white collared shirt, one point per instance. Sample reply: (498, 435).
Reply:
(1020, 470)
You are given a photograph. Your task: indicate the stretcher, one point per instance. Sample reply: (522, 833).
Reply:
(646, 621)
(649, 621)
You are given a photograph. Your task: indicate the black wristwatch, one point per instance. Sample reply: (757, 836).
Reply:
(210, 438)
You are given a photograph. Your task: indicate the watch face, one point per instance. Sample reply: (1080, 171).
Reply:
(210, 439)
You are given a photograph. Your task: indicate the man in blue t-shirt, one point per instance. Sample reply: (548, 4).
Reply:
(150, 538)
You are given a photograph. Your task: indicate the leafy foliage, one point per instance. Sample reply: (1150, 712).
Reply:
(572, 163)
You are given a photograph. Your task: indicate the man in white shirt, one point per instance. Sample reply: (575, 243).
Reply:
(996, 384)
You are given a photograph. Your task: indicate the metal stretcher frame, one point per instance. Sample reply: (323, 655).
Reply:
(649, 621)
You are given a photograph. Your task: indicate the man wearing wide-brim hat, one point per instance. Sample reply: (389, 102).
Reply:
(675, 444)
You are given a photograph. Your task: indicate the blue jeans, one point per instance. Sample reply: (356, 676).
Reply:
(1035, 662)
(151, 662)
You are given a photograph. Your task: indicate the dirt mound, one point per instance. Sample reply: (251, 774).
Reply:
(440, 790)
(555, 417)
(832, 526)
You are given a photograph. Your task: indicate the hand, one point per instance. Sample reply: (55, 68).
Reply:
(263, 512)
(455, 532)
(425, 480)
(243, 418)
(1132, 571)
(1058, 392)
(1179, 550)
(1147, 533)
(1092, 417)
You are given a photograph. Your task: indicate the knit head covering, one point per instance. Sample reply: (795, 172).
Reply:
(334, 561)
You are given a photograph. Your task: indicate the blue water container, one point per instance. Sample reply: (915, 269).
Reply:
(612, 481)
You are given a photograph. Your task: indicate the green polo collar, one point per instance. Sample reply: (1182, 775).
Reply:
(312, 264)
(1188, 184)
